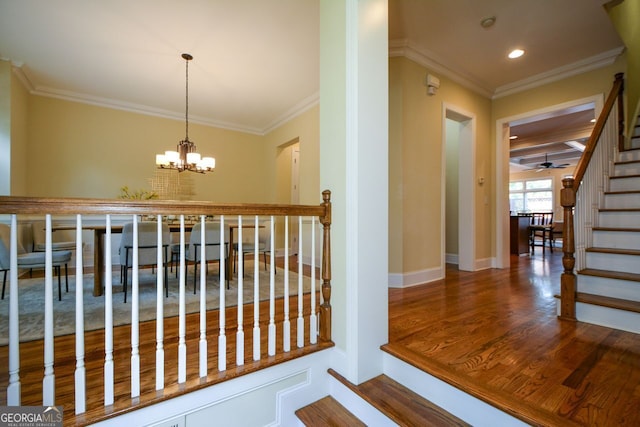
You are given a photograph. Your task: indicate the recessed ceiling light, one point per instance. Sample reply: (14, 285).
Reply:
(593, 120)
(513, 137)
(488, 22)
(516, 53)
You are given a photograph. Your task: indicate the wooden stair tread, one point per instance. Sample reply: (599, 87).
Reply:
(614, 251)
(621, 192)
(327, 412)
(401, 405)
(619, 275)
(610, 302)
(619, 209)
(625, 176)
(626, 162)
(618, 229)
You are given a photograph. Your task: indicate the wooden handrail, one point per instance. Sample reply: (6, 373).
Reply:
(85, 206)
(568, 280)
(585, 159)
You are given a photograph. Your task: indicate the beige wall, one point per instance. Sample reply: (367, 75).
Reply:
(415, 169)
(451, 187)
(5, 128)
(19, 136)
(305, 130)
(80, 150)
(624, 16)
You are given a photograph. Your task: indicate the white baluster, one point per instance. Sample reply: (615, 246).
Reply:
(80, 386)
(108, 316)
(182, 319)
(222, 338)
(49, 381)
(300, 325)
(286, 324)
(240, 333)
(271, 345)
(256, 292)
(313, 320)
(160, 311)
(14, 388)
(203, 299)
(135, 332)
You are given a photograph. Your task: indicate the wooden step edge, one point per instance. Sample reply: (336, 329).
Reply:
(617, 251)
(498, 398)
(327, 412)
(625, 162)
(609, 302)
(609, 274)
(398, 403)
(618, 229)
(622, 192)
(625, 176)
(619, 210)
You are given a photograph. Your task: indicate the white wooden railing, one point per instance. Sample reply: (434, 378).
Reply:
(314, 322)
(580, 202)
(590, 197)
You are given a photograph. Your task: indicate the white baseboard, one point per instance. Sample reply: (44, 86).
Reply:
(405, 280)
(451, 258)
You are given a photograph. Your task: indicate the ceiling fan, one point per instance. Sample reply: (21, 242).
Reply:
(549, 165)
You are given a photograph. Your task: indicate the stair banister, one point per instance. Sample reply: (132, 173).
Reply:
(568, 194)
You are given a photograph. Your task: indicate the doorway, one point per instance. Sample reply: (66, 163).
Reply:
(503, 161)
(458, 192)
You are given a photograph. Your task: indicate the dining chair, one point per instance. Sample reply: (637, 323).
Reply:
(249, 246)
(31, 260)
(147, 250)
(541, 229)
(212, 244)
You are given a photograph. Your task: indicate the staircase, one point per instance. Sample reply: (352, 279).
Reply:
(393, 403)
(608, 291)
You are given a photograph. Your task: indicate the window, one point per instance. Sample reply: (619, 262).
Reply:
(532, 195)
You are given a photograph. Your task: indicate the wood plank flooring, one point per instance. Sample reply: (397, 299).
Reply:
(495, 334)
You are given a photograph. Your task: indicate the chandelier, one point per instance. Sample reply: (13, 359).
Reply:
(186, 158)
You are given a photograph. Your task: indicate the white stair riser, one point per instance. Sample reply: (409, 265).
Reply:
(623, 200)
(626, 169)
(626, 156)
(623, 289)
(609, 317)
(619, 219)
(616, 239)
(614, 262)
(624, 184)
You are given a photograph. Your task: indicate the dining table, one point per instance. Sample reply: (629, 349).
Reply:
(100, 231)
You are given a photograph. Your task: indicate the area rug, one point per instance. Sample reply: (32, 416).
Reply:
(31, 300)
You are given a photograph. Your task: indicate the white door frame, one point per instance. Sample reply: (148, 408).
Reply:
(502, 168)
(466, 188)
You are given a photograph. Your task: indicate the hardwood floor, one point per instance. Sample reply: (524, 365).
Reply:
(495, 335)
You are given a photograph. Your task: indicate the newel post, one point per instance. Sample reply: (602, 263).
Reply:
(568, 278)
(325, 307)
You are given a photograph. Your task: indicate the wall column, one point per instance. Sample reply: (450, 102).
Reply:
(354, 166)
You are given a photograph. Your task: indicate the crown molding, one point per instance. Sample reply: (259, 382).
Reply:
(48, 92)
(301, 107)
(22, 77)
(407, 49)
(588, 64)
(139, 109)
